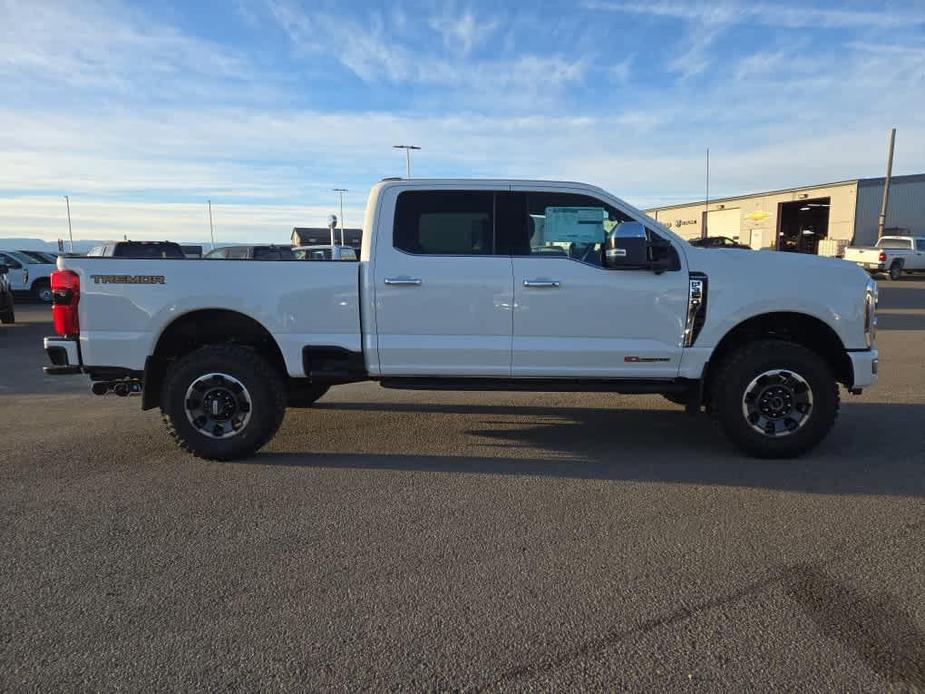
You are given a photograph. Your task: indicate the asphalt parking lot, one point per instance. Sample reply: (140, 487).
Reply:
(408, 540)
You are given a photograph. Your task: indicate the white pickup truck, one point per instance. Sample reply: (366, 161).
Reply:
(476, 285)
(892, 254)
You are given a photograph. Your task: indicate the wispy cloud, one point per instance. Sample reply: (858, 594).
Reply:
(368, 49)
(101, 44)
(762, 63)
(708, 21)
(464, 31)
(766, 14)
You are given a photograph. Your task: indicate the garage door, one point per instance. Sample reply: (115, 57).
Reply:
(724, 223)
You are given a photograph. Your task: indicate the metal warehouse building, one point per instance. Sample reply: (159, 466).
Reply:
(815, 219)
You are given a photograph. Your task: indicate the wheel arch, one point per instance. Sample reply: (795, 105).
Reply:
(200, 327)
(789, 326)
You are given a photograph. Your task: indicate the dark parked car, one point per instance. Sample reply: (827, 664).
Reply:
(718, 242)
(269, 252)
(7, 312)
(138, 249)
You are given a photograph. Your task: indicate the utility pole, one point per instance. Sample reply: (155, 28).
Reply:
(340, 192)
(407, 149)
(70, 232)
(706, 204)
(881, 223)
(211, 229)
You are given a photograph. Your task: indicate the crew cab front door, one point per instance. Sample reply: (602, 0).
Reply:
(443, 296)
(573, 318)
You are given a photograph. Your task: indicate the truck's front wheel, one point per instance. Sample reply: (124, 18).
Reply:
(223, 402)
(774, 399)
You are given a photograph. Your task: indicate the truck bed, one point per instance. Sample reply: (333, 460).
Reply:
(126, 303)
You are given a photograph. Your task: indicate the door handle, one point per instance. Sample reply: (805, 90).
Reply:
(549, 284)
(402, 282)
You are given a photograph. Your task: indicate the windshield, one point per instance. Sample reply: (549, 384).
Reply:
(905, 244)
(37, 256)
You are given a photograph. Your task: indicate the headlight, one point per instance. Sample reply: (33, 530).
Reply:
(871, 299)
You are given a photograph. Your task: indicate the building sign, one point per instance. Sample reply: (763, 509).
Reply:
(684, 222)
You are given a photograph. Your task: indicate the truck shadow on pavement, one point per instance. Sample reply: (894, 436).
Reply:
(874, 448)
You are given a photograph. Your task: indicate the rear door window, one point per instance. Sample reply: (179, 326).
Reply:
(444, 223)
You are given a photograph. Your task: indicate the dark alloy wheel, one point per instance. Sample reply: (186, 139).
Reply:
(896, 270)
(218, 405)
(777, 403)
(223, 402)
(774, 399)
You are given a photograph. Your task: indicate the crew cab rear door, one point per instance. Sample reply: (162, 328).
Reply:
(443, 295)
(574, 318)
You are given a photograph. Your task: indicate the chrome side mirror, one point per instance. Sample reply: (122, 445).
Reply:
(627, 247)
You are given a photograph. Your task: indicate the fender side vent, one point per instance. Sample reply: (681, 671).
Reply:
(696, 307)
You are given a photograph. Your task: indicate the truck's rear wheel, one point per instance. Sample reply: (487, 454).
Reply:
(223, 402)
(896, 270)
(774, 399)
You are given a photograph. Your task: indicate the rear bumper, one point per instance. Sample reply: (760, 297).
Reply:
(871, 267)
(64, 355)
(865, 364)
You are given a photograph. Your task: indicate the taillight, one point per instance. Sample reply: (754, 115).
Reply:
(65, 295)
(882, 257)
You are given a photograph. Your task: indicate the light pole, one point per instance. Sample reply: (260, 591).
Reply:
(211, 230)
(70, 233)
(340, 192)
(407, 149)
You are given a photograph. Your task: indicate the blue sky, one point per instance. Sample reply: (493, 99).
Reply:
(143, 111)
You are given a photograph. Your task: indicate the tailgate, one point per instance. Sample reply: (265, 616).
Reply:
(863, 255)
